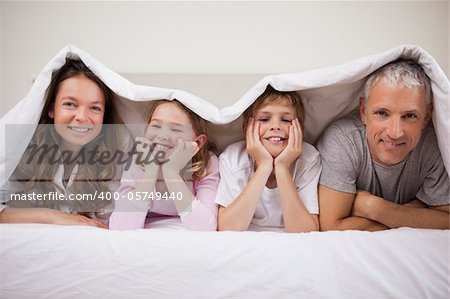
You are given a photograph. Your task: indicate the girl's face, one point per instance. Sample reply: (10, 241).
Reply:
(168, 123)
(78, 112)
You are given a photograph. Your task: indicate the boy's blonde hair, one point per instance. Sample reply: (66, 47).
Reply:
(271, 95)
(199, 162)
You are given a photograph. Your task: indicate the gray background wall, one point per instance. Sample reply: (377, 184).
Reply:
(212, 37)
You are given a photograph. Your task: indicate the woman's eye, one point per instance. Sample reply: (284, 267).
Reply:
(97, 108)
(286, 120)
(263, 120)
(177, 130)
(68, 104)
(155, 126)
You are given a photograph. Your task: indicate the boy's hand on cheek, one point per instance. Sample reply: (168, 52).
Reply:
(255, 148)
(294, 147)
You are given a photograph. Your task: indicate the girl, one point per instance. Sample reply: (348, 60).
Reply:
(77, 105)
(179, 179)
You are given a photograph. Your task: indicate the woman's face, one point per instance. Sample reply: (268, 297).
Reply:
(78, 112)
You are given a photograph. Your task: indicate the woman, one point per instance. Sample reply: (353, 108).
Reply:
(62, 158)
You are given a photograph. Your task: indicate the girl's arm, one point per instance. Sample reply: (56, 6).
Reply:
(198, 212)
(296, 217)
(182, 153)
(131, 214)
(238, 215)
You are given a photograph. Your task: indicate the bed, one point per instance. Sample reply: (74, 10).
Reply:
(45, 261)
(166, 261)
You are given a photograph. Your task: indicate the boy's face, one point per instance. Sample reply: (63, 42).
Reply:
(275, 120)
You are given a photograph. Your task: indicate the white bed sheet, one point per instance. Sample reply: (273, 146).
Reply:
(46, 261)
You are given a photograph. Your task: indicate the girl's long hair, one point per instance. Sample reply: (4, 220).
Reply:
(198, 165)
(38, 176)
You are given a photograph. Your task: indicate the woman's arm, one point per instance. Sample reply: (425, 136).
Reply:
(48, 216)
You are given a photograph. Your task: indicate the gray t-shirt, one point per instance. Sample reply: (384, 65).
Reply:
(347, 166)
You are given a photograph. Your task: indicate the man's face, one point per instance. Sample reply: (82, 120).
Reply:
(394, 117)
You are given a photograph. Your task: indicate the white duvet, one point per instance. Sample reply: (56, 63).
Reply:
(44, 261)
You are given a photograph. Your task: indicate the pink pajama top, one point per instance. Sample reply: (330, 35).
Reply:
(200, 215)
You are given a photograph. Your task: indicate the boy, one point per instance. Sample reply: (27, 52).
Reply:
(271, 178)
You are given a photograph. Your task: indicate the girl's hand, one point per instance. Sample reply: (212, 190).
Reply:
(255, 148)
(181, 155)
(145, 154)
(294, 147)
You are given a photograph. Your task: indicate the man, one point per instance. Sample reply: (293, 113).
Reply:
(383, 169)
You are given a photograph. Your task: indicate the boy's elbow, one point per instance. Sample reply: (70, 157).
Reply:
(229, 227)
(311, 227)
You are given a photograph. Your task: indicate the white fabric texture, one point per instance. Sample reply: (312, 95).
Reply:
(71, 262)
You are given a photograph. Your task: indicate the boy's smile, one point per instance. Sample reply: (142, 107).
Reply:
(275, 120)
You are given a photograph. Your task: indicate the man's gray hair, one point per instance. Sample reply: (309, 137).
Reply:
(408, 72)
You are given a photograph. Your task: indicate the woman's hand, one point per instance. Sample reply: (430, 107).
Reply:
(62, 218)
(48, 216)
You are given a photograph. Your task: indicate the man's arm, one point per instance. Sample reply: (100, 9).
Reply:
(335, 212)
(394, 215)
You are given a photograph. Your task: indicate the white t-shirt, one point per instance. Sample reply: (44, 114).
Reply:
(236, 169)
